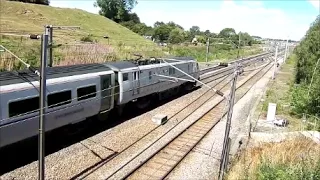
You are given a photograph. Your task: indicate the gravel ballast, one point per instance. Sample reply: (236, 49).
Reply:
(204, 161)
(75, 159)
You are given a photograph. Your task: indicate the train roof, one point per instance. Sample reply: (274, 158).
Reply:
(119, 65)
(180, 58)
(126, 64)
(12, 77)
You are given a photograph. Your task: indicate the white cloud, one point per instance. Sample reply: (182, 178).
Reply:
(249, 16)
(315, 3)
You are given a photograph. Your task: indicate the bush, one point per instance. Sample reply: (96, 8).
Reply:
(87, 38)
(267, 170)
(306, 98)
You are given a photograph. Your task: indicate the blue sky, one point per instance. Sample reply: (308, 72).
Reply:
(267, 18)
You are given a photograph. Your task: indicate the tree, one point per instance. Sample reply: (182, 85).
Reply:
(246, 39)
(162, 32)
(133, 17)
(308, 52)
(227, 32)
(116, 10)
(201, 39)
(195, 30)
(157, 24)
(207, 33)
(305, 96)
(174, 25)
(176, 36)
(44, 2)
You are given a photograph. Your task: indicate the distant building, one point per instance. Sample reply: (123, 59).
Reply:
(194, 41)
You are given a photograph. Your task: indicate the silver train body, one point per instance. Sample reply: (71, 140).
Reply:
(77, 92)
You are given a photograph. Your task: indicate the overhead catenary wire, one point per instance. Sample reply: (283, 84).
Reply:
(145, 148)
(70, 100)
(94, 93)
(259, 67)
(26, 64)
(70, 106)
(110, 88)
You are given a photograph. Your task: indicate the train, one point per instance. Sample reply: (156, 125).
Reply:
(77, 92)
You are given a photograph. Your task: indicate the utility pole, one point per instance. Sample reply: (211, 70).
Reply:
(208, 43)
(226, 143)
(285, 52)
(42, 118)
(238, 45)
(275, 63)
(49, 30)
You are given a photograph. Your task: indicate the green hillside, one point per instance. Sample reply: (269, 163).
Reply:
(25, 18)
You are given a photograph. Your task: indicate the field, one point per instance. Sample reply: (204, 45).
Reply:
(292, 159)
(84, 45)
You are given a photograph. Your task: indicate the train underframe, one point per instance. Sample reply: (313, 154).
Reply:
(144, 102)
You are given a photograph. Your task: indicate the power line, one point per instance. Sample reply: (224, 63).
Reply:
(110, 88)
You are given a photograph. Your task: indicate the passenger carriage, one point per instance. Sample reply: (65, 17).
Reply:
(73, 94)
(77, 92)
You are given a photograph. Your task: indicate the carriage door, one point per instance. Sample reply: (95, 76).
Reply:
(106, 90)
(136, 82)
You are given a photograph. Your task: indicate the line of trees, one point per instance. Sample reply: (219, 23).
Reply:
(120, 12)
(306, 95)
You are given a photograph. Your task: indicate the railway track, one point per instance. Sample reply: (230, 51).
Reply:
(160, 163)
(222, 78)
(244, 61)
(222, 74)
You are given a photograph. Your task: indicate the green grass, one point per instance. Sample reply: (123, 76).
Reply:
(291, 159)
(84, 45)
(279, 92)
(26, 18)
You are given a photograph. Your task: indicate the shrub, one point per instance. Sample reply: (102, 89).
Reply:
(267, 170)
(87, 38)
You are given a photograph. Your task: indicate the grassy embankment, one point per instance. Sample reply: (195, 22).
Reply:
(25, 18)
(291, 159)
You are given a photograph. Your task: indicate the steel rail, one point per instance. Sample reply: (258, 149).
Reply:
(99, 164)
(158, 126)
(166, 144)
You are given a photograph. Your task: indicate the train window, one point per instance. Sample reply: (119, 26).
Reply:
(150, 76)
(86, 92)
(23, 106)
(59, 99)
(125, 77)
